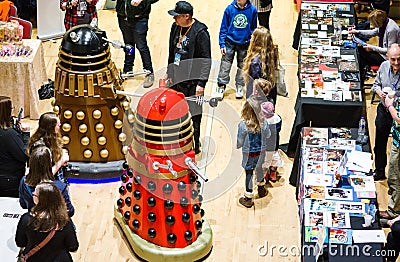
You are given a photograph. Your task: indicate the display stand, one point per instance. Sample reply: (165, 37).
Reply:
(50, 20)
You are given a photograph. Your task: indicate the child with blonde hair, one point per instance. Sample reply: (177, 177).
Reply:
(252, 135)
(261, 61)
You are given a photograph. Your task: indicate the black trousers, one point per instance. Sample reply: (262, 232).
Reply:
(263, 19)
(189, 89)
(383, 124)
(368, 58)
(392, 246)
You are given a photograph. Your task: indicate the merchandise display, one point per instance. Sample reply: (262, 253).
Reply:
(11, 40)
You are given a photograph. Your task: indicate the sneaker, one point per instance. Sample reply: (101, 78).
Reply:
(246, 202)
(239, 92)
(262, 192)
(148, 80)
(220, 92)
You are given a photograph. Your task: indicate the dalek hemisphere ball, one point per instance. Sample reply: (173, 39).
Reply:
(159, 199)
(90, 113)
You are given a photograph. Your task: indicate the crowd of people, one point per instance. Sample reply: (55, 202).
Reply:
(244, 33)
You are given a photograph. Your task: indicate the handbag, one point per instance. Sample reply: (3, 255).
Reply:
(280, 81)
(23, 258)
(46, 91)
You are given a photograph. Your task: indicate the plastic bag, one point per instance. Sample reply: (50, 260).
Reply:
(280, 81)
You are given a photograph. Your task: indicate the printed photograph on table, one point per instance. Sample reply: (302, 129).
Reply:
(339, 193)
(311, 204)
(348, 66)
(314, 167)
(362, 183)
(314, 192)
(314, 153)
(309, 59)
(314, 218)
(341, 143)
(312, 234)
(340, 236)
(312, 133)
(350, 207)
(330, 167)
(338, 220)
(318, 180)
(311, 77)
(333, 154)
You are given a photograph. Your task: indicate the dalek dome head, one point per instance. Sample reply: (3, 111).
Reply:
(162, 104)
(84, 40)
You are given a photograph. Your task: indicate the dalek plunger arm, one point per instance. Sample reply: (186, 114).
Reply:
(189, 162)
(213, 102)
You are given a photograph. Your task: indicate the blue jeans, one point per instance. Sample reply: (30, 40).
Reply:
(134, 33)
(227, 60)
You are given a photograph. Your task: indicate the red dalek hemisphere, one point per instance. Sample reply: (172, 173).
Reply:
(160, 205)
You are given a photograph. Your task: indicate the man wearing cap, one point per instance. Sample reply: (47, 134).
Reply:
(189, 60)
(133, 20)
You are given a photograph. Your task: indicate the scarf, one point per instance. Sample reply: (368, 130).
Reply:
(381, 33)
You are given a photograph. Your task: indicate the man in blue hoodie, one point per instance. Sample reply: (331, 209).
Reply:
(238, 23)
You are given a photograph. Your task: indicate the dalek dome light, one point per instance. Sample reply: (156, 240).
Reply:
(163, 104)
(84, 39)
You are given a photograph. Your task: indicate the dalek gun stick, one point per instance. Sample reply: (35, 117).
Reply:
(189, 162)
(118, 44)
(213, 102)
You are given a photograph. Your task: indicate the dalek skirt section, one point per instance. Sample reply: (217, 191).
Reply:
(91, 114)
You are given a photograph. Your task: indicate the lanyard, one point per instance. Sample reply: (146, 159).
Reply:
(394, 86)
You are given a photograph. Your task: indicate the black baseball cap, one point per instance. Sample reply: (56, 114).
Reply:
(181, 7)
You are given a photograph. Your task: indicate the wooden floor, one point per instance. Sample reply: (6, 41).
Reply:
(238, 232)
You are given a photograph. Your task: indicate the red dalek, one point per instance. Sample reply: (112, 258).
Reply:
(159, 208)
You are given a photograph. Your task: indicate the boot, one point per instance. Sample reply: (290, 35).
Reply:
(272, 173)
(262, 192)
(245, 201)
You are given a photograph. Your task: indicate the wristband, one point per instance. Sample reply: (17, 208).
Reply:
(389, 106)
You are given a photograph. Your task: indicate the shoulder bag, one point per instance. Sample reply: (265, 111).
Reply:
(280, 81)
(23, 258)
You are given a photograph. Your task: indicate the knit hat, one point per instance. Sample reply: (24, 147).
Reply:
(267, 109)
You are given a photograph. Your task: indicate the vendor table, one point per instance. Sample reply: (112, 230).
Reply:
(22, 76)
(318, 112)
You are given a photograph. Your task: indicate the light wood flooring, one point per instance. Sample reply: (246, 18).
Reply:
(238, 231)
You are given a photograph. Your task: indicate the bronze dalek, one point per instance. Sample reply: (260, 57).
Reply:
(91, 117)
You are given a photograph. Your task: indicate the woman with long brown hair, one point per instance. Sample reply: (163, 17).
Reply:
(49, 214)
(40, 171)
(12, 151)
(261, 61)
(48, 134)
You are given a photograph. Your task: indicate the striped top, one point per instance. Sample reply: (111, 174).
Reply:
(257, 4)
(396, 127)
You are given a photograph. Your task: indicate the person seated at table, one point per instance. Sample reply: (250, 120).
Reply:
(387, 76)
(12, 150)
(392, 247)
(40, 171)
(49, 218)
(388, 33)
